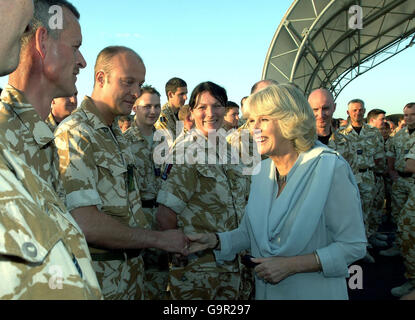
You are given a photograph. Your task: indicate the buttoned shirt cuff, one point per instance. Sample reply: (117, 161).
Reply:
(169, 200)
(410, 156)
(82, 198)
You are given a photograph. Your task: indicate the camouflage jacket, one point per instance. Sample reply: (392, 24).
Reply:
(368, 146)
(28, 134)
(399, 146)
(43, 253)
(96, 166)
(148, 172)
(343, 145)
(168, 122)
(51, 122)
(206, 197)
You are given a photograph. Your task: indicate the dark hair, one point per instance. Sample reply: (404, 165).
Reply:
(215, 90)
(268, 82)
(41, 17)
(409, 105)
(374, 114)
(230, 105)
(149, 89)
(173, 84)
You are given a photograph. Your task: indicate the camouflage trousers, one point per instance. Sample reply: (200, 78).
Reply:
(406, 227)
(367, 189)
(121, 280)
(187, 284)
(375, 218)
(247, 286)
(401, 188)
(156, 274)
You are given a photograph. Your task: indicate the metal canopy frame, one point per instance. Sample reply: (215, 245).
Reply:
(315, 47)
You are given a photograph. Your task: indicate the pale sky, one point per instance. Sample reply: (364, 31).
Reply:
(224, 41)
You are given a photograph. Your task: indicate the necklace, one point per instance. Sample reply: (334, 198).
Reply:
(281, 180)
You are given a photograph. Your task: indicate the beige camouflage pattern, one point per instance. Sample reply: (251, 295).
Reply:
(43, 253)
(28, 135)
(167, 121)
(51, 122)
(149, 182)
(97, 169)
(123, 283)
(206, 198)
(368, 147)
(406, 229)
(187, 284)
(342, 144)
(398, 148)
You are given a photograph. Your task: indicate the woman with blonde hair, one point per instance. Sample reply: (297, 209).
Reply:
(303, 221)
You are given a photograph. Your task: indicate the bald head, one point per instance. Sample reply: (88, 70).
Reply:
(322, 103)
(262, 85)
(105, 58)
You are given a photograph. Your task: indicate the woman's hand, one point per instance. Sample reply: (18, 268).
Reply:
(274, 269)
(202, 241)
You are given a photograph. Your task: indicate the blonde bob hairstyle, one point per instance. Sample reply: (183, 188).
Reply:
(288, 105)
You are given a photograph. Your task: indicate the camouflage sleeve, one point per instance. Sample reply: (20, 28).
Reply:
(178, 188)
(77, 169)
(380, 151)
(34, 261)
(411, 153)
(390, 148)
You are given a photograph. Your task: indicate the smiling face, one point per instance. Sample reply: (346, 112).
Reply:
(208, 113)
(267, 135)
(356, 111)
(147, 109)
(15, 16)
(121, 87)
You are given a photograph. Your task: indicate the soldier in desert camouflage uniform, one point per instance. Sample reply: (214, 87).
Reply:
(367, 142)
(27, 98)
(176, 91)
(377, 119)
(43, 254)
(203, 196)
(322, 103)
(98, 174)
(400, 149)
(140, 138)
(61, 108)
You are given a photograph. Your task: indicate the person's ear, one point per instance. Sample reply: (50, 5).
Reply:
(41, 38)
(100, 78)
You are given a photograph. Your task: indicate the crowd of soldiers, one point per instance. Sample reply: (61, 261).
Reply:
(85, 206)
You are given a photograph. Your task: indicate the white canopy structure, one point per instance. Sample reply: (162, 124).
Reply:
(319, 43)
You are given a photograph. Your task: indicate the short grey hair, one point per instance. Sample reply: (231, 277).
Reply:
(42, 16)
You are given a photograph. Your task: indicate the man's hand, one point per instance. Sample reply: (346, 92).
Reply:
(274, 269)
(202, 241)
(174, 241)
